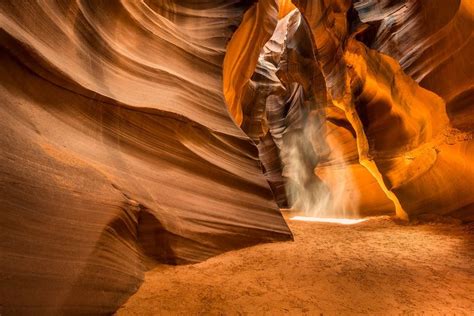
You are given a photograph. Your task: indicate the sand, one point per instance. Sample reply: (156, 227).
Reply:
(375, 267)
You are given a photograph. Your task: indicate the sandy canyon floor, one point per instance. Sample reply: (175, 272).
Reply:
(375, 267)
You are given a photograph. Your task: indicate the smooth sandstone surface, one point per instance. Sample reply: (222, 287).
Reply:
(137, 133)
(383, 102)
(407, 134)
(117, 150)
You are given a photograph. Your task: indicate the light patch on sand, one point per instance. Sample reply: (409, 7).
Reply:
(344, 221)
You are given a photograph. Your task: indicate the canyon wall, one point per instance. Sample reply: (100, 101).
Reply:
(142, 132)
(404, 85)
(377, 119)
(117, 149)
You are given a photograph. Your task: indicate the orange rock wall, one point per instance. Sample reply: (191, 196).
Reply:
(396, 127)
(145, 132)
(380, 60)
(117, 150)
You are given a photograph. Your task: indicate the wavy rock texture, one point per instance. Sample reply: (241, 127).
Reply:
(243, 51)
(433, 42)
(121, 144)
(407, 132)
(304, 139)
(117, 150)
(393, 134)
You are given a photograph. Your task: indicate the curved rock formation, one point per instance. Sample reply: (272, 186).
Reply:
(405, 138)
(117, 150)
(389, 138)
(138, 132)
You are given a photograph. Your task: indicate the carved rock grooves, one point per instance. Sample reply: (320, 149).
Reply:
(143, 132)
(118, 151)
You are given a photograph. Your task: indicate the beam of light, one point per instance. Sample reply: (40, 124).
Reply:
(344, 221)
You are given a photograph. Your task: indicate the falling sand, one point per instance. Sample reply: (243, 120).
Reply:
(373, 267)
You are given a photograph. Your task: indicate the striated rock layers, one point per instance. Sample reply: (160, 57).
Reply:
(137, 132)
(377, 118)
(407, 124)
(117, 149)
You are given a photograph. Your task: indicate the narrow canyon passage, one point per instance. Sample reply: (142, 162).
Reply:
(375, 267)
(147, 148)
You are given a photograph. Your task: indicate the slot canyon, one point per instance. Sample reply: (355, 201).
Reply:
(237, 157)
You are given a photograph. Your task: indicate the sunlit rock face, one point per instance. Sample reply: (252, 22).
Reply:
(407, 136)
(392, 134)
(117, 149)
(138, 132)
